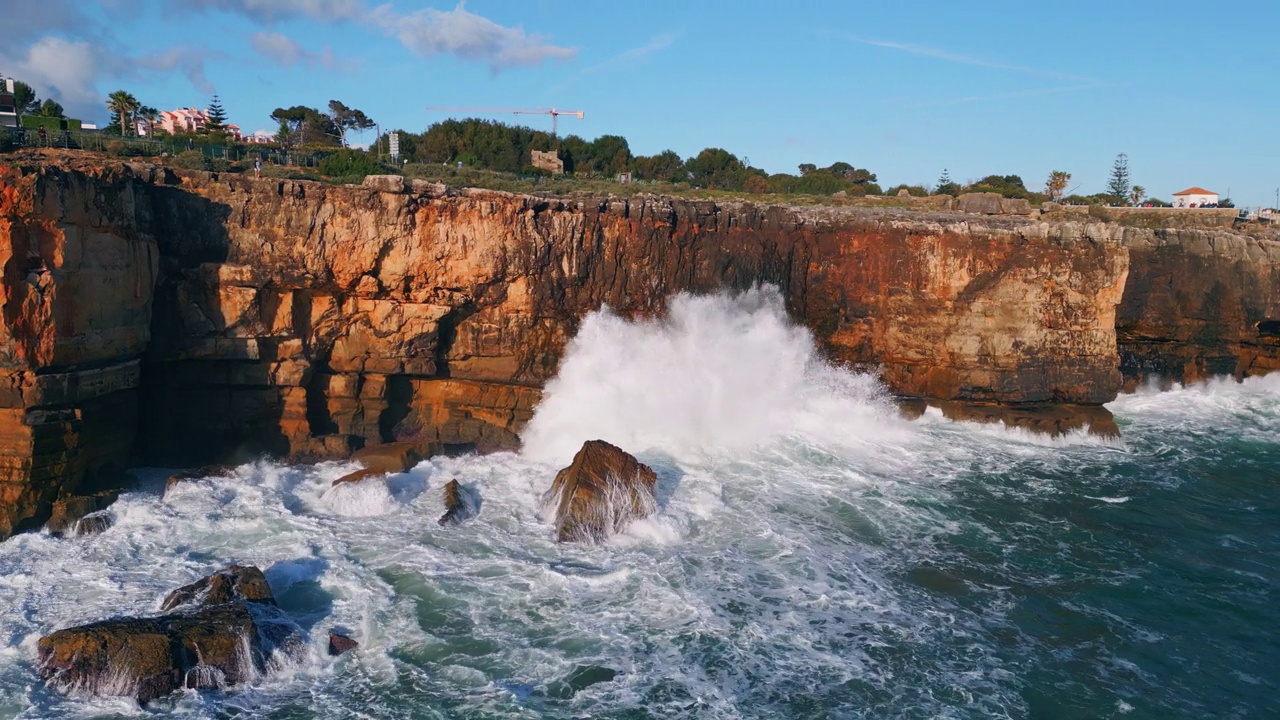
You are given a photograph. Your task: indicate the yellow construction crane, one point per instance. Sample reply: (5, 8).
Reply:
(553, 112)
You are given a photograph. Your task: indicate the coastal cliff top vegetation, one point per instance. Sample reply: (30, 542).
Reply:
(314, 144)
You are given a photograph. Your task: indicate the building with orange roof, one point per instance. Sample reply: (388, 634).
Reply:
(1195, 197)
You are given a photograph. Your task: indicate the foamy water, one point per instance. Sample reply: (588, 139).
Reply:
(814, 555)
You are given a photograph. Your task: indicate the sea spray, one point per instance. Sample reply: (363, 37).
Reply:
(837, 563)
(724, 373)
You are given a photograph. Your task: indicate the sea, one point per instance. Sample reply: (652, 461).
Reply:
(815, 554)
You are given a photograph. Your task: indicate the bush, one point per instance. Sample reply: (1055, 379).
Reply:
(912, 190)
(351, 163)
(191, 160)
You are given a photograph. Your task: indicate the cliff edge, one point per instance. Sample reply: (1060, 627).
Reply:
(155, 316)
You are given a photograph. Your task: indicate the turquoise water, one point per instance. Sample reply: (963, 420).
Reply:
(815, 555)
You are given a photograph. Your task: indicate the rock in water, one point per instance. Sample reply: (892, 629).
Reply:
(94, 523)
(68, 511)
(597, 495)
(339, 643)
(226, 638)
(459, 503)
(385, 459)
(246, 584)
(198, 473)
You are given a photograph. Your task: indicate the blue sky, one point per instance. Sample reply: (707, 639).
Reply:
(1191, 94)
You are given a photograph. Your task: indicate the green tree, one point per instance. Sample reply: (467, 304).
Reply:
(346, 118)
(216, 118)
(1136, 193)
(24, 99)
(1056, 185)
(715, 167)
(302, 125)
(1119, 183)
(123, 105)
(945, 186)
(666, 166)
(51, 108)
(150, 116)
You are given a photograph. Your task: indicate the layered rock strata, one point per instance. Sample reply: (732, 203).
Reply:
(215, 318)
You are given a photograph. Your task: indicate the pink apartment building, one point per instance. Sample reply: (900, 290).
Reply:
(184, 120)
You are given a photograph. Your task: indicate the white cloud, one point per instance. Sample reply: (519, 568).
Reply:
(67, 70)
(288, 52)
(951, 57)
(627, 57)
(272, 9)
(468, 36)
(190, 61)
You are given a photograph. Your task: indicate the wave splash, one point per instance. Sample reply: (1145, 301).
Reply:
(726, 372)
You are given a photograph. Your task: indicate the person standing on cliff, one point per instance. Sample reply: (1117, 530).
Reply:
(257, 168)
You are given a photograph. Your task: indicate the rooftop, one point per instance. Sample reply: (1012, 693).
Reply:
(1195, 191)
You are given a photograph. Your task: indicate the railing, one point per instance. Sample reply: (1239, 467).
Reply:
(153, 147)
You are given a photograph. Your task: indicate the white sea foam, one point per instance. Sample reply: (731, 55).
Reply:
(792, 501)
(720, 372)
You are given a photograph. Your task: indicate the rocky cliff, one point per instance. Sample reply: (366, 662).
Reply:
(165, 317)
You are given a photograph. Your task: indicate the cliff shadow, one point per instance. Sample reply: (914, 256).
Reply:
(206, 391)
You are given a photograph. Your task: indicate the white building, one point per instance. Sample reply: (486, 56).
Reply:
(1195, 197)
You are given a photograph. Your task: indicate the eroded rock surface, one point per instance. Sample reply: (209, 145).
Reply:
(216, 318)
(226, 632)
(599, 493)
(459, 502)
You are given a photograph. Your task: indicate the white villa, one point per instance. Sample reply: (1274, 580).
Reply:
(1195, 197)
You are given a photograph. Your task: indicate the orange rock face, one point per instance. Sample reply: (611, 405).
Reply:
(182, 318)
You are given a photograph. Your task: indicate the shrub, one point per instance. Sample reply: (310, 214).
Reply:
(192, 160)
(351, 163)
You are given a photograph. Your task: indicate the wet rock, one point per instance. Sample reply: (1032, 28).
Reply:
(459, 502)
(597, 495)
(94, 523)
(386, 459)
(1049, 419)
(235, 583)
(227, 637)
(69, 511)
(339, 643)
(198, 473)
(582, 677)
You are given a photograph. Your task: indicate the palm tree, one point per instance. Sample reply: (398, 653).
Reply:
(150, 116)
(125, 106)
(1137, 193)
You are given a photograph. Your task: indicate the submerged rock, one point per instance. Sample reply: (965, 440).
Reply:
(197, 473)
(226, 637)
(339, 643)
(386, 459)
(582, 677)
(597, 495)
(459, 502)
(69, 511)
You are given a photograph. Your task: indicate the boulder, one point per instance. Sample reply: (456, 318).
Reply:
(226, 637)
(94, 523)
(339, 643)
(69, 511)
(600, 492)
(980, 203)
(384, 183)
(459, 503)
(386, 459)
(234, 583)
(1015, 206)
(197, 473)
